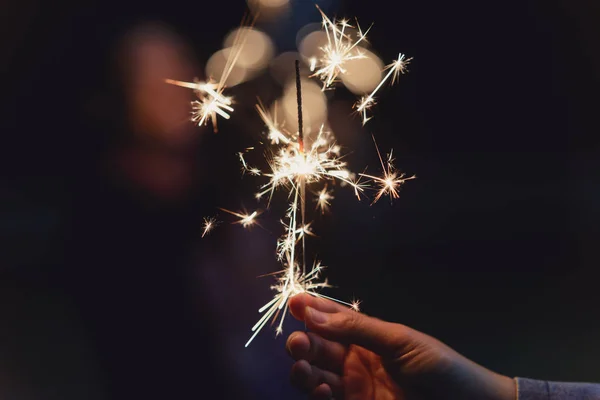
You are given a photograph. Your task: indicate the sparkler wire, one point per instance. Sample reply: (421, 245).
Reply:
(299, 99)
(301, 148)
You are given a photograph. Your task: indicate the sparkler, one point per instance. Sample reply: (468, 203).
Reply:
(296, 162)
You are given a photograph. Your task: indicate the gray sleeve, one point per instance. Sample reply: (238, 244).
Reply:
(529, 389)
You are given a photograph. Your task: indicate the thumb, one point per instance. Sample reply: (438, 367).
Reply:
(341, 324)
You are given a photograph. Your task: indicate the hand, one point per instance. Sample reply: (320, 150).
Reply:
(348, 355)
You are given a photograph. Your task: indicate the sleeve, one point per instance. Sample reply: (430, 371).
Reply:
(529, 389)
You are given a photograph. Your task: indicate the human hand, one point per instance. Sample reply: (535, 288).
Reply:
(348, 355)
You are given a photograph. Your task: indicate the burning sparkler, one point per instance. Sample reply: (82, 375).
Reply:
(294, 163)
(297, 163)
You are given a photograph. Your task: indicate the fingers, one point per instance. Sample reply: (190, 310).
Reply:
(317, 351)
(340, 324)
(299, 302)
(322, 392)
(315, 381)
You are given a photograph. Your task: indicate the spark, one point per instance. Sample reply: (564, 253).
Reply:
(276, 133)
(391, 181)
(340, 49)
(324, 198)
(247, 168)
(211, 100)
(209, 107)
(290, 239)
(395, 69)
(245, 219)
(207, 88)
(289, 166)
(209, 224)
(355, 305)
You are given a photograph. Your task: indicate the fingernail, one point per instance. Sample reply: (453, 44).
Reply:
(289, 341)
(315, 316)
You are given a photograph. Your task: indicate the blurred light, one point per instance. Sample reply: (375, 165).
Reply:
(283, 67)
(216, 64)
(310, 45)
(257, 50)
(268, 9)
(306, 30)
(314, 106)
(364, 74)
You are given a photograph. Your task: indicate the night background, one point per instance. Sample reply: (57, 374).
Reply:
(107, 289)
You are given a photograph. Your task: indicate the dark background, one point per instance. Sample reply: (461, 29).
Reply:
(107, 291)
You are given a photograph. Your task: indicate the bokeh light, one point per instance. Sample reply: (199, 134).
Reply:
(216, 65)
(310, 45)
(255, 54)
(257, 51)
(363, 74)
(268, 9)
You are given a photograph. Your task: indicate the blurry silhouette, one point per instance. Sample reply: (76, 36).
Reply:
(162, 308)
(134, 226)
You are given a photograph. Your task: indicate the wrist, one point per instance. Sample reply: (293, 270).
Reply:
(500, 387)
(490, 385)
(507, 388)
